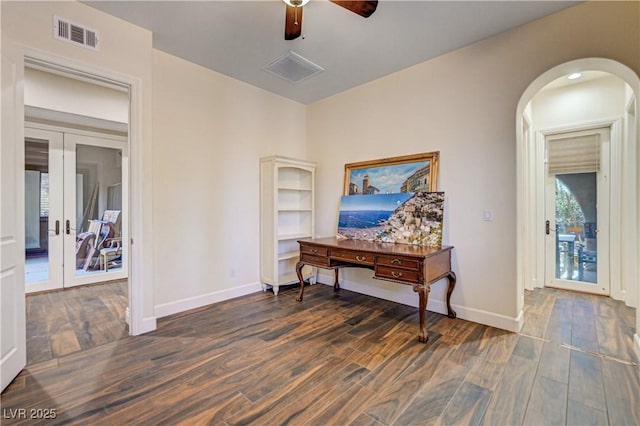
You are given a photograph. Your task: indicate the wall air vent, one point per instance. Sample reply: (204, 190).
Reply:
(293, 68)
(63, 29)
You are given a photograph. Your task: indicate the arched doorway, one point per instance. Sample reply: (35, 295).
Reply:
(623, 183)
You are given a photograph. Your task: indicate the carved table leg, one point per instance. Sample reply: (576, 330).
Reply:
(452, 283)
(299, 266)
(336, 284)
(423, 295)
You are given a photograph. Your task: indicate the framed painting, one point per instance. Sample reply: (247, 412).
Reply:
(408, 173)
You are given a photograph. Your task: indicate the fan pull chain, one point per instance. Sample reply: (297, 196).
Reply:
(295, 17)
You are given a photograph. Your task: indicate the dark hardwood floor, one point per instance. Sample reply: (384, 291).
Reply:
(348, 359)
(75, 319)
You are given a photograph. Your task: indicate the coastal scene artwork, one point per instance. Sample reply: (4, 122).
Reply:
(410, 173)
(406, 218)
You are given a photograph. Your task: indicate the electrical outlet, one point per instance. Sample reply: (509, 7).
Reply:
(487, 215)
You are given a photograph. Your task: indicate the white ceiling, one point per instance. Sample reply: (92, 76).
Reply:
(238, 38)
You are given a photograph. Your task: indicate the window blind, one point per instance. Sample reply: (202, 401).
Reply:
(574, 155)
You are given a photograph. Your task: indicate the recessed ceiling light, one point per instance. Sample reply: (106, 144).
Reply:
(574, 76)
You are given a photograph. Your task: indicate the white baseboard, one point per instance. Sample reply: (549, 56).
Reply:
(519, 321)
(145, 325)
(148, 324)
(436, 302)
(182, 305)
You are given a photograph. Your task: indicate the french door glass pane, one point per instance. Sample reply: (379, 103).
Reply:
(98, 178)
(576, 227)
(36, 210)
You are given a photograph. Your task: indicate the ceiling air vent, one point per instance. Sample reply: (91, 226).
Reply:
(293, 68)
(63, 29)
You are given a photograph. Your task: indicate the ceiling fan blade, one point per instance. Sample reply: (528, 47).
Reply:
(364, 8)
(293, 22)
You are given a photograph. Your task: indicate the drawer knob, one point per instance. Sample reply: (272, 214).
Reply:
(396, 262)
(361, 258)
(395, 274)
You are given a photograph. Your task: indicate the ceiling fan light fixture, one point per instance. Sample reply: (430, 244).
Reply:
(293, 13)
(296, 3)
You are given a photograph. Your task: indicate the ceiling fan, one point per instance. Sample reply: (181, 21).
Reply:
(293, 17)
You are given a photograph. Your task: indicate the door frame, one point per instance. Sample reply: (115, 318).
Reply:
(604, 187)
(141, 266)
(615, 136)
(526, 178)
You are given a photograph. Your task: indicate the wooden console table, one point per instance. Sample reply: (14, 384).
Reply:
(405, 264)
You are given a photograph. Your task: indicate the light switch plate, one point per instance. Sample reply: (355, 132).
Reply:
(487, 215)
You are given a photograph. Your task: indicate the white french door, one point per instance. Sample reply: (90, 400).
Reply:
(75, 209)
(43, 191)
(577, 211)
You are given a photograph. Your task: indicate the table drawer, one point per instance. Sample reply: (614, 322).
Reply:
(397, 274)
(313, 250)
(399, 262)
(314, 260)
(353, 257)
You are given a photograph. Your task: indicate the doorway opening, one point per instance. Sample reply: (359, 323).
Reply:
(563, 240)
(76, 211)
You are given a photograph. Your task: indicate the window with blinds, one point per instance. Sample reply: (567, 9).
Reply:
(44, 194)
(574, 155)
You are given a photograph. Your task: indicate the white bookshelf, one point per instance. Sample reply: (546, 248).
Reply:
(286, 216)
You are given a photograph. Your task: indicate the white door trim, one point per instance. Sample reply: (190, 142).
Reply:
(142, 317)
(65, 129)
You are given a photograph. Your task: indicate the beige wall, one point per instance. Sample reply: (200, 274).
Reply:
(463, 104)
(209, 134)
(58, 93)
(594, 100)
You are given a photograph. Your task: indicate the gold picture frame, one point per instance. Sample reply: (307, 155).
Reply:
(407, 173)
